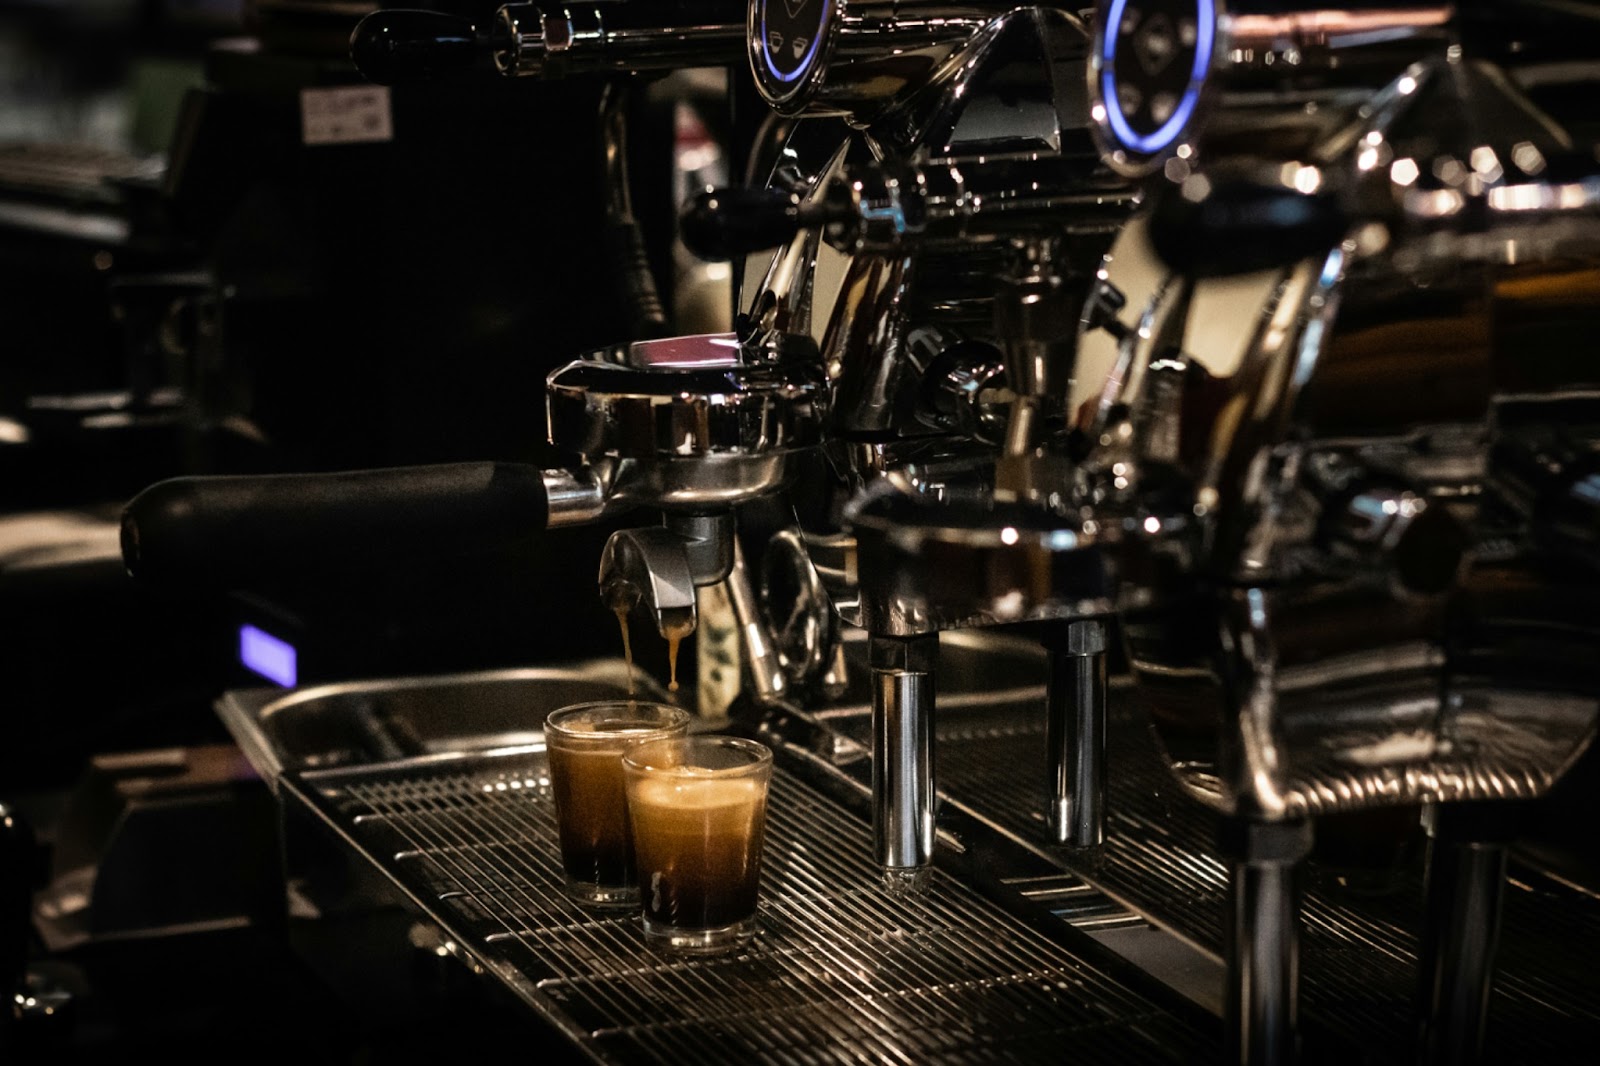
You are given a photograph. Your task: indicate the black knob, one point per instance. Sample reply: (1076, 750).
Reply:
(724, 223)
(403, 47)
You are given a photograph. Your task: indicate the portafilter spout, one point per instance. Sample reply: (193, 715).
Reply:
(658, 568)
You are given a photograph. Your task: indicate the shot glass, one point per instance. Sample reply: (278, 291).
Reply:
(699, 811)
(585, 743)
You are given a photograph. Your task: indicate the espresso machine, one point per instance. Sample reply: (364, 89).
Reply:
(713, 433)
(1262, 142)
(1373, 541)
(1164, 419)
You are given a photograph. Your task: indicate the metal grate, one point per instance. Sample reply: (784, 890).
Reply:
(1359, 950)
(840, 971)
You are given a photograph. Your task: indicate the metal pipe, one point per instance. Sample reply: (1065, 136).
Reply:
(764, 667)
(1263, 940)
(902, 756)
(1075, 726)
(1461, 932)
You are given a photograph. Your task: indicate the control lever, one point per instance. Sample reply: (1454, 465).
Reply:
(404, 47)
(727, 223)
(1218, 226)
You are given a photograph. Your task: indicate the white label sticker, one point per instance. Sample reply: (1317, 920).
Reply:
(350, 115)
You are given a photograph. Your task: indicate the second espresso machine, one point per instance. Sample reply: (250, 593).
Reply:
(1169, 420)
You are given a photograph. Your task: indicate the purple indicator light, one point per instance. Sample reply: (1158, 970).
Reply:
(1169, 130)
(268, 656)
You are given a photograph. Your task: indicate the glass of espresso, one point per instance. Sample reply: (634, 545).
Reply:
(699, 809)
(585, 743)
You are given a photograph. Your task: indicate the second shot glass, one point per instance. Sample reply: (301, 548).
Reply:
(699, 806)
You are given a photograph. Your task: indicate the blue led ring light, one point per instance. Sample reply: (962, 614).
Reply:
(1150, 144)
(810, 54)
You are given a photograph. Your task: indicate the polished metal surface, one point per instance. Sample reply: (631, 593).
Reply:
(690, 438)
(794, 607)
(767, 667)
(655, 570)
(574, 497)
(927, 565)
(1263, 942)
(837, 970)
(1075, 734)
(1466, 892)
(1351, 679)
(970, 166)
(904, 811)
(559, 40)
(1340, 602)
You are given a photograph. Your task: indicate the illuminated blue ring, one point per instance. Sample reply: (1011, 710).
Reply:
(1163, 137)
(811, 53)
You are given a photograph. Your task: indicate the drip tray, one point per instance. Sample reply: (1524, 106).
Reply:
(1361, 928)
(840, 971)
(1361, 919)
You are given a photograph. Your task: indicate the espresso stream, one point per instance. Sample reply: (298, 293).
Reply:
(676, 626)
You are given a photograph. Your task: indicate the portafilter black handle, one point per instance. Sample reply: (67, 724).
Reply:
(404, 47)
(220, 533)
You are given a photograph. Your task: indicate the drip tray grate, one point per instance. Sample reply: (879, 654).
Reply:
(840, 971)
(1359, 948)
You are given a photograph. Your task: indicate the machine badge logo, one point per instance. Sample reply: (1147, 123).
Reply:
(1155, 44)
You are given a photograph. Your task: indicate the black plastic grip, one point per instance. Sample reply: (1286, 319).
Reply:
(249, 532)
(403, 47)
(1241, 226)
(725, 223)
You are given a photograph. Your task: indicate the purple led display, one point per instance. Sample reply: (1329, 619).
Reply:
(268, 656)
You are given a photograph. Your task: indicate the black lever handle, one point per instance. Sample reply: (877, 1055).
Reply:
(218, 533)
(403, 47)
(1238, 226)
(724, 223)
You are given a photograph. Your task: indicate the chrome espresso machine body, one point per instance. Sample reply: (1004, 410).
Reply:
(1300, 475)
(1111, 380)
(1348, 593)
